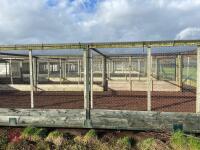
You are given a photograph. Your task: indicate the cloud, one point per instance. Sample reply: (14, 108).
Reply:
(42, 21)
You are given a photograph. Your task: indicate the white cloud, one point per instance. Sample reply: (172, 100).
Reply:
(25, 21)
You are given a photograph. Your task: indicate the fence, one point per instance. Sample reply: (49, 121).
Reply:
(118, 82)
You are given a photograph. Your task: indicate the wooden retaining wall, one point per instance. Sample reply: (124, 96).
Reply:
(100, 118)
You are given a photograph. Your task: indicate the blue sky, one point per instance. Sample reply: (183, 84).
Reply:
(56, 21)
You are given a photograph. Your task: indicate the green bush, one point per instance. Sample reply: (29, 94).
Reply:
(20, 145)
(91, 134)
(193, 143)
(33, 133)
(3, 139)
(179, 141)
(42, 145)
(147, 144)
(124, 143)
(55, 137)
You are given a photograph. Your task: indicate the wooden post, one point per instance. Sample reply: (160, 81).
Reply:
(149, 82)
(31, 77)
(11, 73)
(86, 61)
(179, 71)
(104, 74)
(198, 81)
(91, 80)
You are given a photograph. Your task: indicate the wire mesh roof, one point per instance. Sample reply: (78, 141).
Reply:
(109, 51)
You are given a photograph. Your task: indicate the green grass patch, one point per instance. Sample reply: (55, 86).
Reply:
(147, 144)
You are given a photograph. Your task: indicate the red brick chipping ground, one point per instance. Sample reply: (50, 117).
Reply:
(161, 101)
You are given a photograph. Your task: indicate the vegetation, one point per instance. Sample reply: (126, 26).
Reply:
(47, 139)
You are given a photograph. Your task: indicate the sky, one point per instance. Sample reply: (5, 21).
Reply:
(66, 21)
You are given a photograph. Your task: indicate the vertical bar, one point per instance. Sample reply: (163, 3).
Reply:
(188, 69)
(6, 68)
(78, 69)
(35, 74)
(198, 81)
(130, 69)
(139, 68)
(104, 74)
(179, 71)
(11, 73)
(48, 69)
(149, 82)
(21, 73)
(65, 68)
(86, 61)
(31, 77)
(86, 55)
(60, 68)
(157, 68)
(91, 80)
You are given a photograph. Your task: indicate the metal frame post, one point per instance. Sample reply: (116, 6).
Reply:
(130, 70)
(91, 80)
(21, 72)
(149, 82)
(104, 74)
(198, 81)
(11, 73)
(188, 69)
(35, 76)
(179, 71)
(31, 77)
(86, 61)
(48, 69)
(60, 68)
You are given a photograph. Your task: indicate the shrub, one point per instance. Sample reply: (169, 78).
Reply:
(33, 133)
(39, 134)
(193, 143)
(42, 145)
(3, 139)
(14, 135)
(147, 144)
(124, 143)
(55, 137)
(28, 132)
(179, 141)
(20, 145)
(90, 135)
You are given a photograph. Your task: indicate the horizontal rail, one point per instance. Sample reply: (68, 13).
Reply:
(101, 118)
(138, 44)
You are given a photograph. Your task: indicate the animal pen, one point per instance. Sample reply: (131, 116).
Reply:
(151, 85)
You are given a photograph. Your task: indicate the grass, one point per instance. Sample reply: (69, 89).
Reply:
(124, 143)
(33, 133)
(147, 144)
(179, 141)
(58, 140)
(55, 137)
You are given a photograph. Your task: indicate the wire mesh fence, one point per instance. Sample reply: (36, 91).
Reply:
(138, 82)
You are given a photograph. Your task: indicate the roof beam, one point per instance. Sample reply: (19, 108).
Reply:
(101, 45)
(97, 51)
